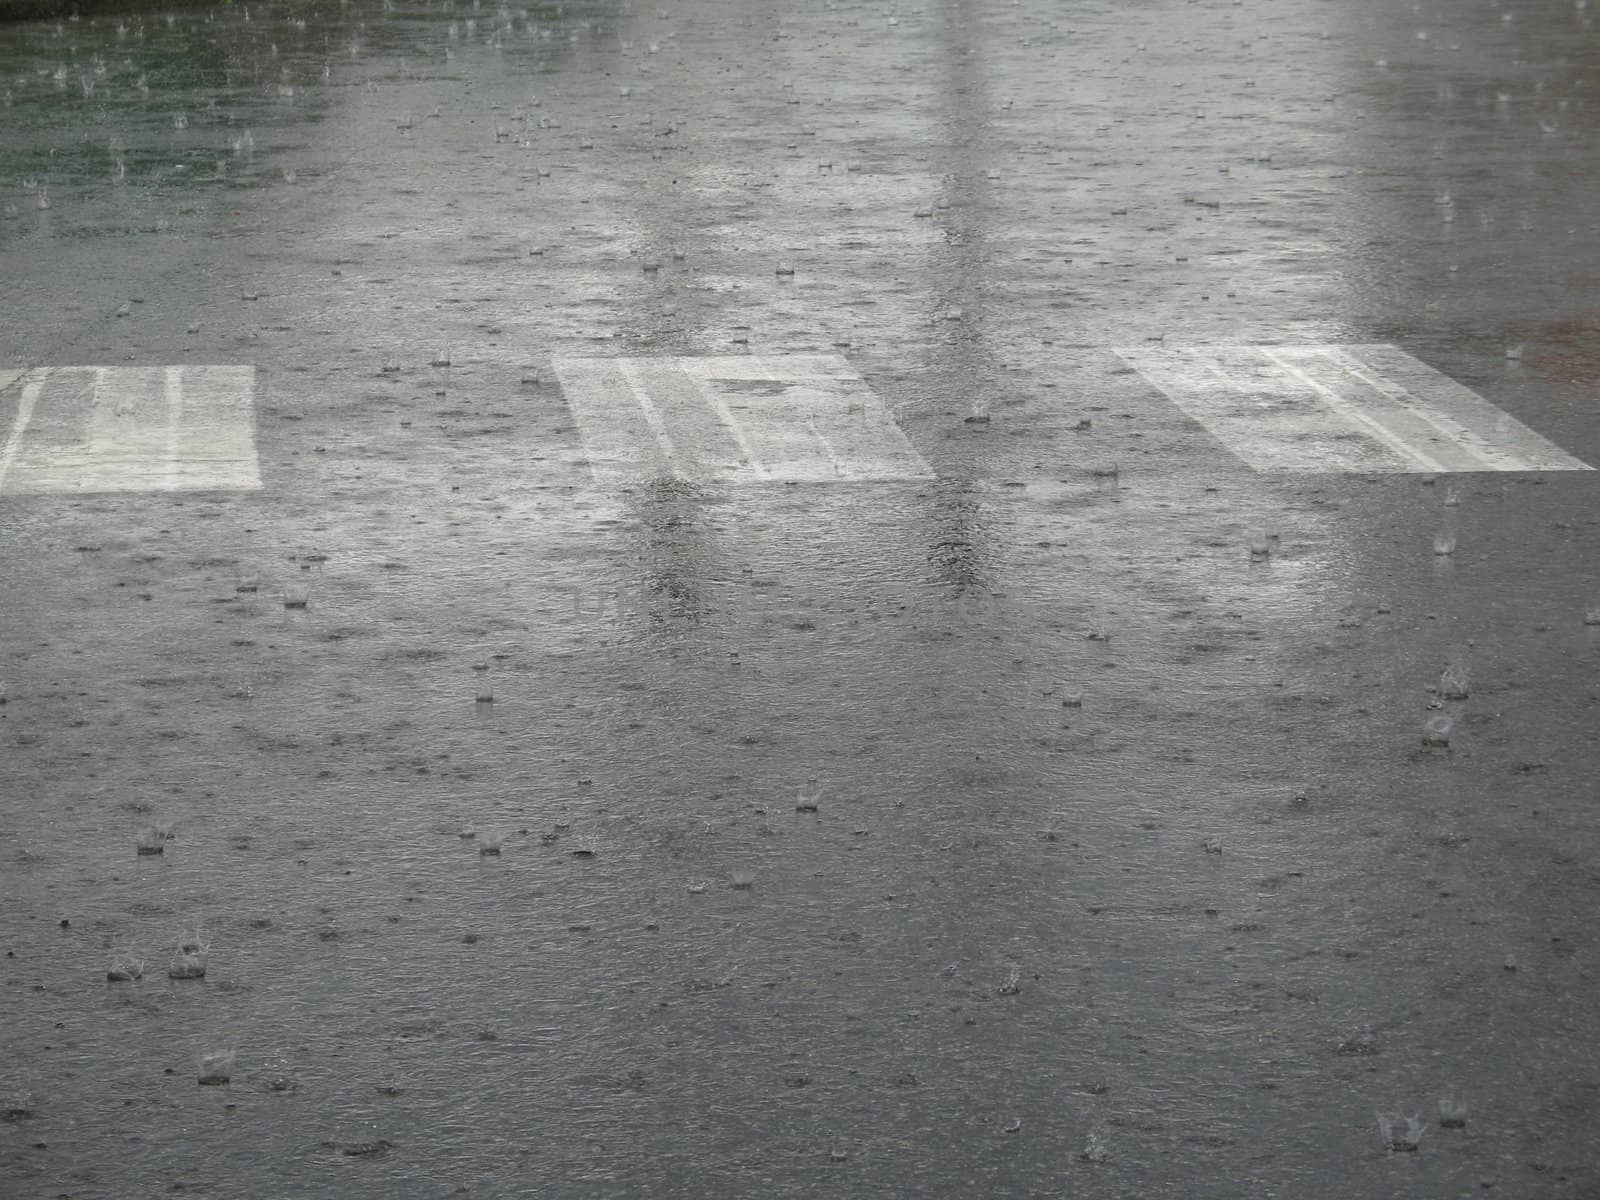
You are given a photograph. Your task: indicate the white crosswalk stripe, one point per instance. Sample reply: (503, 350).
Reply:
(1325, 408)
(129, 429)
(744, 418)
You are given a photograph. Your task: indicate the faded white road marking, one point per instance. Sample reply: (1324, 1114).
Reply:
(25, 406)
(1325, 408)
(734, 419)
(747, 454)
(616, 440)
(1352, 412)
(174, 390)
(706, 446)
(103, 429)
(652, 417)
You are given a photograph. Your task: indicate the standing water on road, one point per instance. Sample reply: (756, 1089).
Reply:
(724, 599)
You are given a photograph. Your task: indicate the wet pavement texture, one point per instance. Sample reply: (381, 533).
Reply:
(1013, 828)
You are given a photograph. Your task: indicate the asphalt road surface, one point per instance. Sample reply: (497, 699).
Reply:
(750, 599)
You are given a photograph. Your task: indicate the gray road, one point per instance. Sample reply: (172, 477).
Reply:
(904, 780)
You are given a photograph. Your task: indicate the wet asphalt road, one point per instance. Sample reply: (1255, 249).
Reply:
(1128, 875)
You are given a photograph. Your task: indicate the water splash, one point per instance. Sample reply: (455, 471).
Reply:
(809, 795)
(1452, 1110)
(189, 960)
(1095, 1148)
(152, 840)
(126, 967)
(1400, 1133)
(216, 1067)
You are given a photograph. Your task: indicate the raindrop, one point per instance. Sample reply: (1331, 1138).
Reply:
(809, 795)
(16, 1103)
(1094, 1148)
(151, 840)
(1400, 1133)
(1452, 1110)
(216, 1067)
(125, 967)
(277, 1075)
(189, 960)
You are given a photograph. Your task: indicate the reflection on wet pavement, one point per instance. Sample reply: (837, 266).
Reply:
(732, 681)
